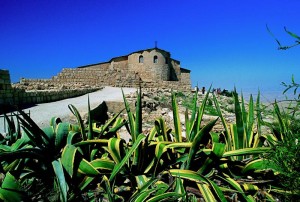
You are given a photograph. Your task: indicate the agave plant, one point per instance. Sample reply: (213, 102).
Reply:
(93, 162)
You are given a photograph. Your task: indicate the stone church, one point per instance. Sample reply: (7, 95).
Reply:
(150, 68)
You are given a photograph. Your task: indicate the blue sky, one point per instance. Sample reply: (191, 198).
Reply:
(222, 42)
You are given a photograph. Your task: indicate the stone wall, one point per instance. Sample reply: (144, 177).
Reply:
(6, 91)
(12, 95)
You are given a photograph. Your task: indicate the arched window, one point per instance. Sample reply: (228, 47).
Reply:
(155, 59)
(167, 60)
(141, 59)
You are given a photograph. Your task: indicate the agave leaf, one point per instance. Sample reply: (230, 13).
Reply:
(186, 174)
(197, 124)
(152, 133)
(177, 124)
(34, 153)
(5, 148)
(79, 119)
(35, 134)
(138, 114)
(218, 149)
(50, 132)
(271, 138)
(250, 122)
(195, 145)
(36, 140)
(190, 123)
(33, 127)
(103, 164)
(12, 165)
(87, 168)
(250, 187)
(206, 193)
(259, 122)
(115, 149)
(170, 196)
(240, 128)
(145, 185)
(187, 124)
(90, 124)
(119, 123)
(11, 128)
(72, 135)
(258, 164)
(236, 186)
(216, 154)
(227, 132)
(120, 165)
(161, 129)
(142, 196)
(85, 182)
(269, 196)
(19, 143)
(141, 180)
(11, 189)
(130, 118)
(54, 121)
(109, 123)
(62, 131)
(102, 142)
(282, 125)
(60, 177)
(179, 187)
(245, 122)
(68, 159)
(108, 188)
(217, 191)
(246, 151)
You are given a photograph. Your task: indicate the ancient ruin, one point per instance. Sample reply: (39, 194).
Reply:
(149, 68)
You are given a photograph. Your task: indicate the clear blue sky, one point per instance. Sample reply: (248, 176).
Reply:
(223, 42)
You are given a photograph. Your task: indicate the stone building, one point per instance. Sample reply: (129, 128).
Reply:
(150, 68)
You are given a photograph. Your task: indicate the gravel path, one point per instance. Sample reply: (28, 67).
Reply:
(42, 113)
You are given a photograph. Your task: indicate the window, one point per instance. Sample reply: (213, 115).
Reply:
(141, 59)
(167, 60)
(155, 59)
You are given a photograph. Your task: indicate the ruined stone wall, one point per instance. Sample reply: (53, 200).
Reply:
(6, 91)
(114, 74)
(186, 78)
(13, 95)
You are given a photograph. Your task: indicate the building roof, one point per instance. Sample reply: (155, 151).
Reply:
(149, 50)
(185, 70)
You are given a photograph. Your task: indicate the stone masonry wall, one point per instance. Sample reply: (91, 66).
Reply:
(17, 96)
(6, 91)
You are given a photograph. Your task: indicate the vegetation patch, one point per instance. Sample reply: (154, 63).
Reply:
(77, 162)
